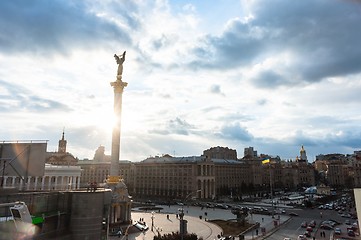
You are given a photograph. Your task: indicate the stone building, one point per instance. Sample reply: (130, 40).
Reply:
(27, 166)
(206, 176)
(61, 157)
(357, 169)
(338, 170)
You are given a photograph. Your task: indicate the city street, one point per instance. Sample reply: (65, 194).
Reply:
(289, 226)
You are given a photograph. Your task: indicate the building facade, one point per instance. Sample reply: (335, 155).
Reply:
(53, 170)
(216, 173)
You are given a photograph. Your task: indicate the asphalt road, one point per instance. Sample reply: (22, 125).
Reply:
(293, 228)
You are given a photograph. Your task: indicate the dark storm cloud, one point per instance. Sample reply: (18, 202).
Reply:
(19, 98)
(235, 132)
(322, 36)
(45, 27)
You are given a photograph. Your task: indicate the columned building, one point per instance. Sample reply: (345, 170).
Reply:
(174, 177)
(38, 175)
(217, 172)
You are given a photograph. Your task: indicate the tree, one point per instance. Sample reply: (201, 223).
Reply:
(176, 236)
(241, 214)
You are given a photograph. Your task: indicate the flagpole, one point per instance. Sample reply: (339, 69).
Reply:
(270, 183)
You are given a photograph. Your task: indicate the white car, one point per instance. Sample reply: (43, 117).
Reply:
(140, 226)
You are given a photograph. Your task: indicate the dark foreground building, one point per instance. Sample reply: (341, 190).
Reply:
(67, 215)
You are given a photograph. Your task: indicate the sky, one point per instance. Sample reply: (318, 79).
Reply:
(273, 75)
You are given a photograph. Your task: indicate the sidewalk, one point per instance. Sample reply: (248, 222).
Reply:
(267, 223)
(162, 225)
(202, 228)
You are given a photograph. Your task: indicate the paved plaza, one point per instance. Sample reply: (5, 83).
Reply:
(197, 223)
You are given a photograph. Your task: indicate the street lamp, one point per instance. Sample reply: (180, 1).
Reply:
(152, 217)
(252, 222)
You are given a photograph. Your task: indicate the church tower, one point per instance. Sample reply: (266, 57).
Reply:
(62, 145)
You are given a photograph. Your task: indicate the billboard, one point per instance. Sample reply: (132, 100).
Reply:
(23, 158)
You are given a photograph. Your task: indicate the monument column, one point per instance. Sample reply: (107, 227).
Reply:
(115, 151)
(120, 196)
(118, 86)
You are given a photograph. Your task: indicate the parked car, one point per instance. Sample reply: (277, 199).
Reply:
(309, 229)
(312, 224)
(334, 222)
(351, 233)
(353, 228)
(140, 226)
(329, 222)
(304, 224)
(326, 227)
(338, 231)
(301, 237)
(307, 234)
(293, 214)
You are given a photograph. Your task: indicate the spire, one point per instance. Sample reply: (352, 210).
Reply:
(62, 144)
(63, 134)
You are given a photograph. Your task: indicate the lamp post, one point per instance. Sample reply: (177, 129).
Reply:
(252, 222)
(152, 217)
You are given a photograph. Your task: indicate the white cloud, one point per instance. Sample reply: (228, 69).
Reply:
(243, 73)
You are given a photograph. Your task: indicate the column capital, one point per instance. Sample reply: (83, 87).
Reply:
(118, 86)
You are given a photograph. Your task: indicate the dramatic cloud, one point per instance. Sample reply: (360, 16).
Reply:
(236, 132)
(274, 75)
(17, 98)
(45, 28)
(321, 37)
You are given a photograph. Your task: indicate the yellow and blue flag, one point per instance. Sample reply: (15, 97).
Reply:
(265, 161)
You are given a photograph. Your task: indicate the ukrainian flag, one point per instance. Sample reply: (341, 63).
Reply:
(265, 161)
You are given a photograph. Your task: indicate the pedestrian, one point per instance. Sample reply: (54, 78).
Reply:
(262, 219)
(257, 232)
